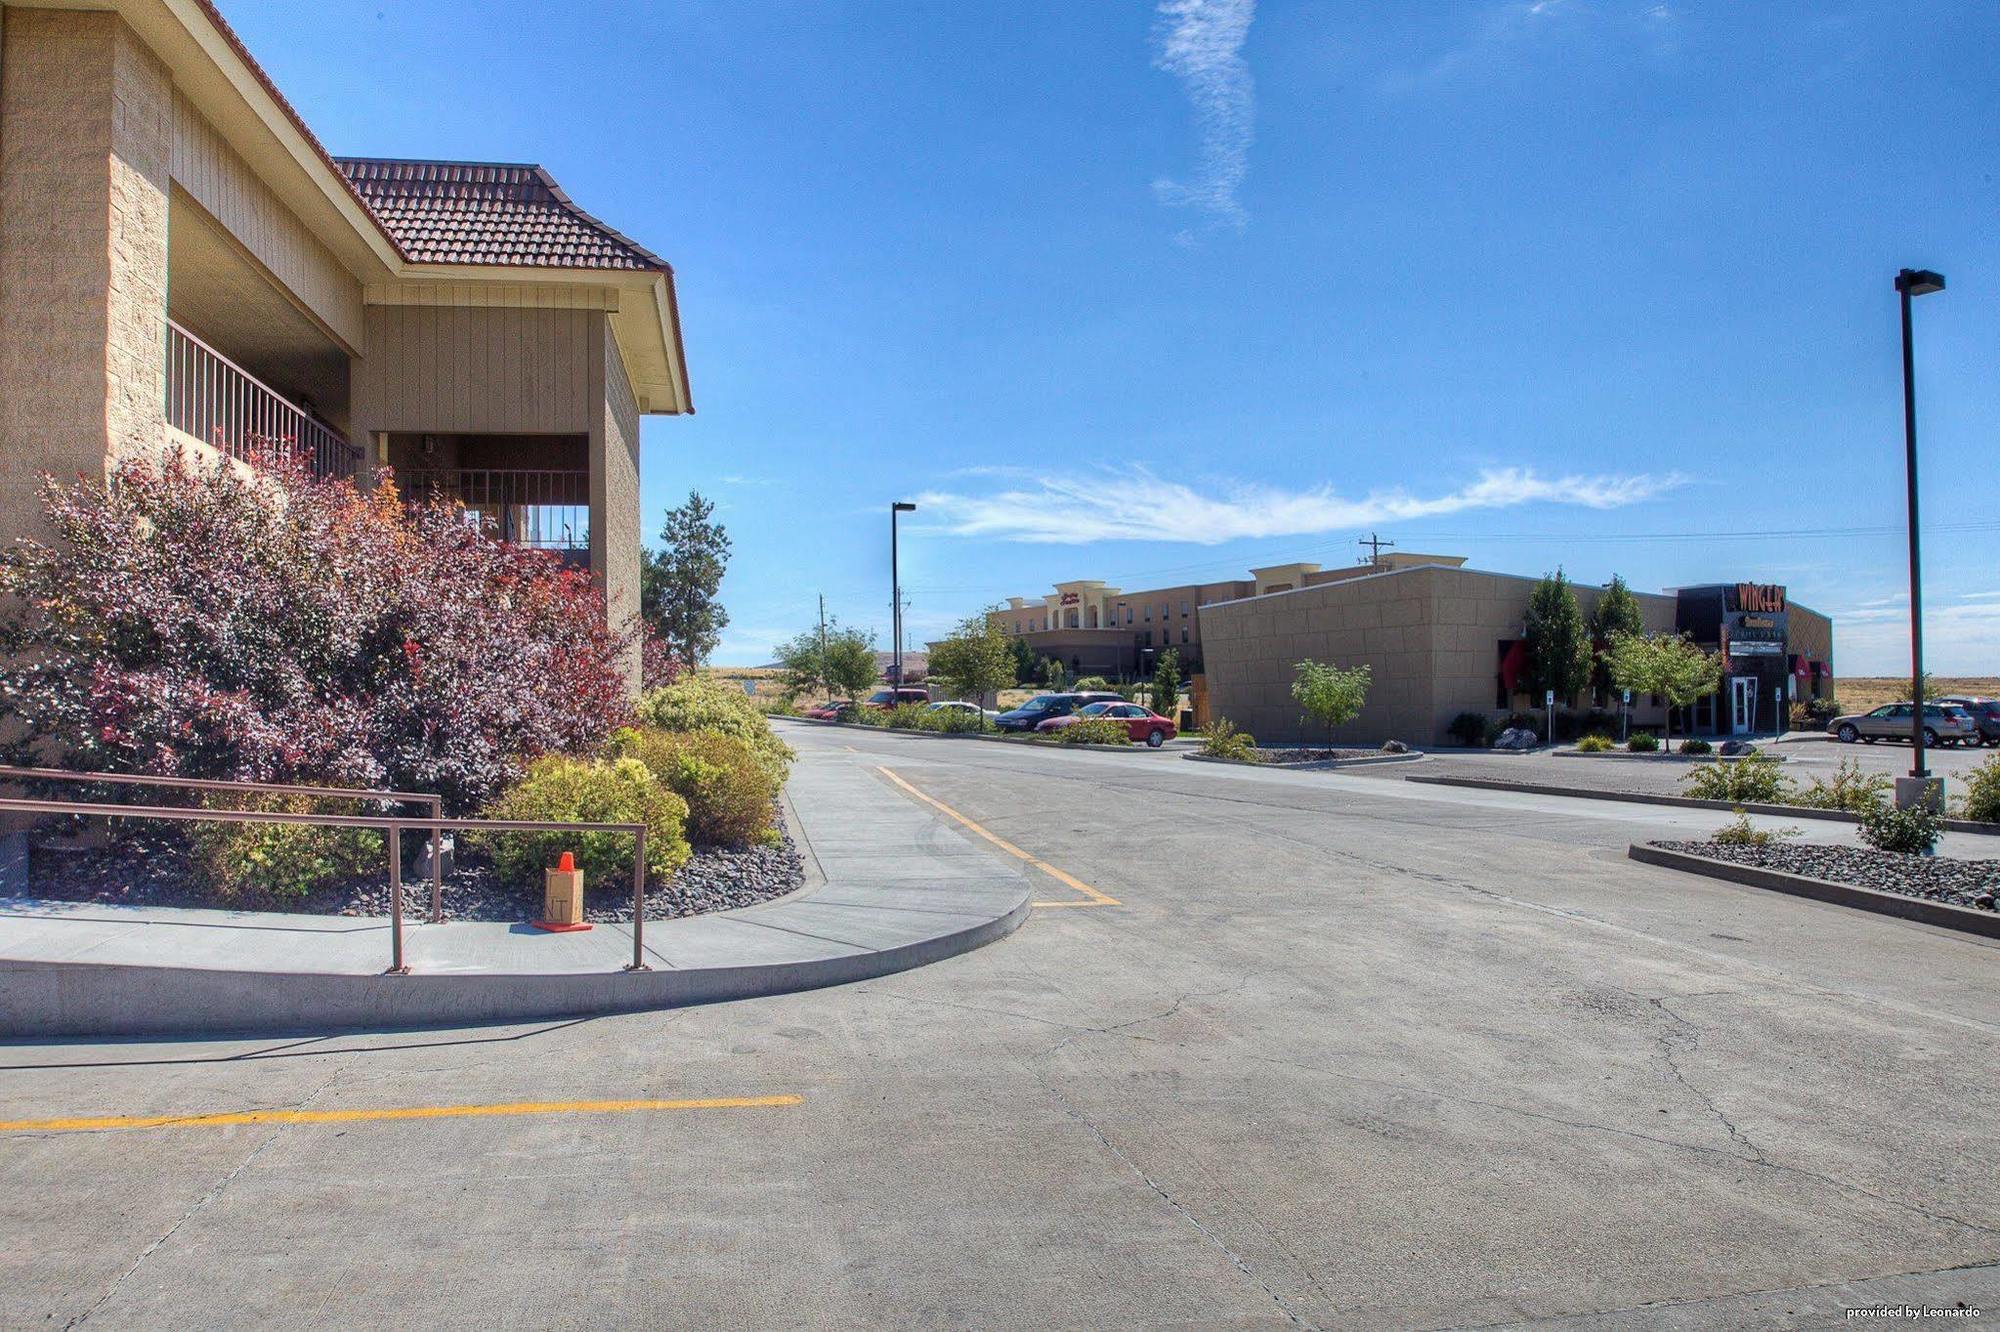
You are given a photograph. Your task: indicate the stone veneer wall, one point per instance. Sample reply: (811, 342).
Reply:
(86, 135)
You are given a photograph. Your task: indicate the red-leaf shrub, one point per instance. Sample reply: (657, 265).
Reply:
(283, 627)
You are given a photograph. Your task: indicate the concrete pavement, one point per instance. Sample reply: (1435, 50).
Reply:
(1347, 1054)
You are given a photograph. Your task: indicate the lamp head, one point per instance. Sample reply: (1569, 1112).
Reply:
(1919, 282)
(902, 506)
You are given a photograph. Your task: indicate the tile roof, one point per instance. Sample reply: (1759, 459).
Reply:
(488, 213)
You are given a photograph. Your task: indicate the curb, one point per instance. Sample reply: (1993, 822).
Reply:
(1676, 757)
(1685, 802)
(1321, 765)
(1941, 914)
(973, 735)
(90, 999)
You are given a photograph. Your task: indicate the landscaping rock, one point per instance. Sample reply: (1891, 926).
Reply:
(1732, 748)
(1517, 738)
(1394, 747)
(1965, 883)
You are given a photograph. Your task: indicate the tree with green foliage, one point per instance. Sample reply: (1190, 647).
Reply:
(1024, 661)
(1167, 683)
(679, 583)
(1330, 695)
(848, 664)
(1616, 612)
(1557, 642)
(973, 659)
(804, 658)
(1052, 672)
(1669, 665)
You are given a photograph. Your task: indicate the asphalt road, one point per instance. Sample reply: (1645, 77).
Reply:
(1347, 1053)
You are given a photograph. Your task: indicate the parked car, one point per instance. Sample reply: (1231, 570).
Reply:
(970, 709)
(1144, 725)
(828, 711)
(1044, 706)
(1944, 725)
(884, 699)
(1985, 713)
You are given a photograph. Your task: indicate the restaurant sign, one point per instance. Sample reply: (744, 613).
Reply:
(1071, 598)
(1760, 598)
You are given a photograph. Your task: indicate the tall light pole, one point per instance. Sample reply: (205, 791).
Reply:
(1914, 282)
(896, 594)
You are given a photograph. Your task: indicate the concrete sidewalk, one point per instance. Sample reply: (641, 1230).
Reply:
(891, 886)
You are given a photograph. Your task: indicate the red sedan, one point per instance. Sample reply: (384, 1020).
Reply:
(829, 711)
(1142, 724)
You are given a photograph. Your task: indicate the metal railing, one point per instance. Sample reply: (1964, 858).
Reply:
(223, 405)
(435, 823)
(548, 509)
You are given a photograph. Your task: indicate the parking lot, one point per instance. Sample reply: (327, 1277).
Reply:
(1278, 1049)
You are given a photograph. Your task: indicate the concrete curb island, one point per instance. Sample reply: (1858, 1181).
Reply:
(1311, 766)
(971, 735)
(1942, 914)
(1686, 802)
(898, 887)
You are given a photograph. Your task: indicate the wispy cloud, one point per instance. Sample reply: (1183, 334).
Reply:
(1138, 506)
(1961, 635)
(1200, 42)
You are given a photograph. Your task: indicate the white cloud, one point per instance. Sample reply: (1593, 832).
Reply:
(1138, 506)
(1200, 42)
(1961, 637)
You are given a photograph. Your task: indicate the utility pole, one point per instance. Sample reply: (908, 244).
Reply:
(820, 674)
(1375, 545)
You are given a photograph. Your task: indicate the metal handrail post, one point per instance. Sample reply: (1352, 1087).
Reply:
(639, 900)
(396, 965)
(437, 860)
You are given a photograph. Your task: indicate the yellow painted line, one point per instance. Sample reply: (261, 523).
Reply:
(1067, 880)
(394, 1112)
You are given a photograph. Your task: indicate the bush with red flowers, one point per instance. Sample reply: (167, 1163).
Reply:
(202, 622)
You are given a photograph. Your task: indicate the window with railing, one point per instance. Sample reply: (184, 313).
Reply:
(546, 509)
(218, 402)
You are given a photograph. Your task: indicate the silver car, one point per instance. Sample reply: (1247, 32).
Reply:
(1943, 725)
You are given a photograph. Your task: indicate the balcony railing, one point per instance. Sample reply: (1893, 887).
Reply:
(549, 510)
(223, 405)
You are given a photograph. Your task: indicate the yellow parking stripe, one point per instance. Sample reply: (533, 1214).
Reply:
(395, 1112)
(1067, 880)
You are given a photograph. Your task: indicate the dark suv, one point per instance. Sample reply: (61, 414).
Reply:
(1985, 711)
(1044, 706)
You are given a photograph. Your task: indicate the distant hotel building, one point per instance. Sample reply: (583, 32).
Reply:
(1441, 639)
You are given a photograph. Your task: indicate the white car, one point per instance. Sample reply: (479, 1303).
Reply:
(954, 705)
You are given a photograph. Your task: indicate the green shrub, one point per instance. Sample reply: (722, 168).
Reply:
(559, 788)
(1756, 780)
(697, 703)
(1912, 831)
(1982, 792)
(1471, 729)
(1595, 744)
(1643, 742)
(1091, 682)
(1741, 832)
(1223, 740)
(1851, 789)
(731, 796)
(284, 860)
(1696, 745)
(1095, 731)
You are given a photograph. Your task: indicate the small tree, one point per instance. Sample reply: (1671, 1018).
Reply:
(803, 661)
(848, 665)
(1669, 665)
(1024, 661)
(1558, 645)
(1052, 672)
(678, 584)
(1616, 612)
(1330, 695)
(975, 659)
(1167, 683)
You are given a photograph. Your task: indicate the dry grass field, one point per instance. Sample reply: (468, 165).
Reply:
(1858, 693)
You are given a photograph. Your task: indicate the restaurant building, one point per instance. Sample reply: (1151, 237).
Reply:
(1442, 639)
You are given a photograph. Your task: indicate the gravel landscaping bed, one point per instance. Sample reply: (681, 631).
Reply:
(1315, 755)
(1965, 883)
(155, 871)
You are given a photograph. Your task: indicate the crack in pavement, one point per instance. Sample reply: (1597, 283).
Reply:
(215, 1192)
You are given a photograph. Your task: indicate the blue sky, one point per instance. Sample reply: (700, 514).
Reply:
(1155, 294)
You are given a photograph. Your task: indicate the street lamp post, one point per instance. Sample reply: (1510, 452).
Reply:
(896, 595)
(1914, 282)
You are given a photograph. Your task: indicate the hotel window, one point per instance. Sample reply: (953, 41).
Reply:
(1184, 637)
(1128, 615)
(1149, 612)
(1184, 609)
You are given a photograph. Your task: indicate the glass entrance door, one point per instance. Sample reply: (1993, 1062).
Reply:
(1742, 704)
